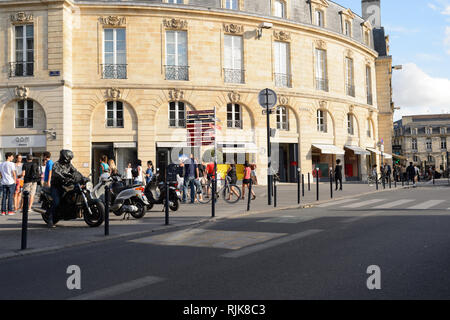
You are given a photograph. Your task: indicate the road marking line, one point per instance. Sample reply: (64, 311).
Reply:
(330, 204)
(357, 218)
(394, 204)
(269, 244)
(288, 219)
(362, 204)
(426, 205)
(118, 289)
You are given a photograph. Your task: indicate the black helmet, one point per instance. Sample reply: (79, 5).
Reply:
(65, 156)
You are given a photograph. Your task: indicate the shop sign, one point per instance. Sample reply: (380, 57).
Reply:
(36, 141)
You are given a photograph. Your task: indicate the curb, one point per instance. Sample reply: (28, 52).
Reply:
(18, 253)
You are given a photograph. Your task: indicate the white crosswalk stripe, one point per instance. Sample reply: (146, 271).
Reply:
(394, 204)
(426, 205)
(334, 203)
(363, 204)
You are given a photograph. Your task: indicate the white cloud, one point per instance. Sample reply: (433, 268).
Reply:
(416, 92)
(447, 40)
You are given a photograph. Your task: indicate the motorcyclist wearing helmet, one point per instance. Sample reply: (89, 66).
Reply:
(63, 174)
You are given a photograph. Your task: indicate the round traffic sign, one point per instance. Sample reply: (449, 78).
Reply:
(267, 98)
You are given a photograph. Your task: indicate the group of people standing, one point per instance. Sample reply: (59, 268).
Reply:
(131, 174)
(17, 176)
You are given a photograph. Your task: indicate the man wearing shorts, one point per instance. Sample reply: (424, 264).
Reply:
(31, 175)
(8, 173)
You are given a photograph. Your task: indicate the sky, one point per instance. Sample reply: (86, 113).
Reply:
(419, 32)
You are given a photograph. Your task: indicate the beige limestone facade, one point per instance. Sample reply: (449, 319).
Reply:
(84, 101)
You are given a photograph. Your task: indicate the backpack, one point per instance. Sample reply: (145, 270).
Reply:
(135, 172)
(36, 174)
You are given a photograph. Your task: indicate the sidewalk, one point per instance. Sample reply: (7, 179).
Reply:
(72, 233)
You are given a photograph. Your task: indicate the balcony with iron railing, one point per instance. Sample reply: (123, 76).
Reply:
(24, 123)
(177, 73)
(350, 90)
(234, 124)
(234, 75)
(322, 84)
(114, 71)
(283, 80)
(21, 69)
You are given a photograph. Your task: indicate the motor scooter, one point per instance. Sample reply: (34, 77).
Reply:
(155, 191)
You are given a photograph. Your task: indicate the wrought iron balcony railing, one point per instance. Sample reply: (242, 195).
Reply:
(234, 75)
(283, 80)
(234, 124)
(24, 122)
(177, 73)
(369, 99)
(350, 89)
(21, 69)
(114, 71)
(322, 84)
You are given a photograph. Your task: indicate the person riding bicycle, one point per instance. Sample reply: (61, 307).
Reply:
(63, 174)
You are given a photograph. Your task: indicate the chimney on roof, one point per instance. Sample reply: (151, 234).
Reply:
(371, 11)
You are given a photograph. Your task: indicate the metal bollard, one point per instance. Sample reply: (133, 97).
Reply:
(298, 186)
(167, 199)
(395, 183)
(25, 204)
(390, 182)
(274, 193)
(376, 181)
(383, 181)
(107, 201)
(303, 185)
(433, 177)
(331, 183)
(309, 182)
(249, 194)
(317, 184)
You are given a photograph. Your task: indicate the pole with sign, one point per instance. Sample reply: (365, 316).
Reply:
(268, 99)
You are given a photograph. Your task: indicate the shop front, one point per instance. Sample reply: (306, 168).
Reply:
(371, 160)
(353, 161)
(23, 145)
(324, 158)
(285, 161)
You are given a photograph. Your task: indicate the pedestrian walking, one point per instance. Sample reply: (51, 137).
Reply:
(246, 181)
(137, 173)
(19, 182)
(113, 171)
(338, 174)
(388, 171)
(253, 175)
(8, 184)
(411, 173)
(128, 174)
(149, 172)
(191, 175)
(104, 167)
(31, 176)
(48, 169)
(232, 174)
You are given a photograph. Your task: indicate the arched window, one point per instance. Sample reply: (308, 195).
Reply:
(24, 114)
(114, 114)
(177, 114)
(322, 121)
(319, 18)
(350, 124)
(282, 118)
(234, 116)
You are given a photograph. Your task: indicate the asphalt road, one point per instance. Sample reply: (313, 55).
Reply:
(317, 253)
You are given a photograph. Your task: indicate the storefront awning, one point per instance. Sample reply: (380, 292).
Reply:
(329, 149)
(172, 144)
(396, 156)
(387, 156)
(357, 150)
(374, 151)
(240, 148)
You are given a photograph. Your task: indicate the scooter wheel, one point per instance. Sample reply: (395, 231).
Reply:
(150, 207)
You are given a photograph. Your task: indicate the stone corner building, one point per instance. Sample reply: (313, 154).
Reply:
(422, 139)
(117, 78)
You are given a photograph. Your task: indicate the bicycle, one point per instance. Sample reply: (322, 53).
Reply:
(228, 194)
(371, 180)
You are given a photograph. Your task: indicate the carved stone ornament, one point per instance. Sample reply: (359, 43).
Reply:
(351, 109)
(21, 17)
(370, 114)
(175, 24)
(114, 93)
(114, 21)
(283, 100)
(21, 92)
(176, 94)
(323, 105)
(349, 53)
(234, 96)
(282, 35)
(320, 44)
(233, 28)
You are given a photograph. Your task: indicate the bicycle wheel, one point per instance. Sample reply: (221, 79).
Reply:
(229, 196)
(206, 197)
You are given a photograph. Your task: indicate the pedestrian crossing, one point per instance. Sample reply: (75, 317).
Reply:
(380, 204)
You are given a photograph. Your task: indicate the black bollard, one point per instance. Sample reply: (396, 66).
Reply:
(303, 185)
(376, 181)
(403, 181)
(331, 183)
(309, 182)
(274, 193)
(433, 176)
(383, 181)
(390, 182)
(317, 184)
(395, 183)
(167, 198)
(107, 200)
(249, 194)
(25, 204)
(298, 186)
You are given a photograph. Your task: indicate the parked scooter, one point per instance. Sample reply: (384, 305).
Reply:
(76, 202)
(155, 191)
(124, 199)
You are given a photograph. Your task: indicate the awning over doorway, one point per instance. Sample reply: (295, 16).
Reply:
(374, 151)
(357, 150)
(387, 156)
(172, 144)
(329, 149)
(396, 156)
(239, 148)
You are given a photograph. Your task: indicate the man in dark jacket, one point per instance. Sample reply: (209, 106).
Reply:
(338, 174)
(190, 175)
(411, 172)
(63, 174)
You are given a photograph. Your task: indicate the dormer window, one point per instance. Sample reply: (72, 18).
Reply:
(319, 18)
(279, 9)
(347, 28)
